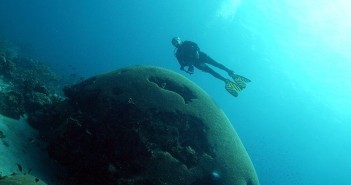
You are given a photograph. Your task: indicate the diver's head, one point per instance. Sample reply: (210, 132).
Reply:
(176, 42)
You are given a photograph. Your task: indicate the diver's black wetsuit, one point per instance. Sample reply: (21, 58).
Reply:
(189, 54)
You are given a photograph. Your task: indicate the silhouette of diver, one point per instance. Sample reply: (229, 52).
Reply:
(189, 55)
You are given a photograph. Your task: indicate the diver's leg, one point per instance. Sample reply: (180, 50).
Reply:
(206, 59)
(205, 68)
(230, 86)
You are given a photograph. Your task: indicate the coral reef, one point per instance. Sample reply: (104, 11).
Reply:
(26, 85)
(143, 125)
(12, 104)
(136, 125)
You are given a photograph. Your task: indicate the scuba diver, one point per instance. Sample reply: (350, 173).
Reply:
(189, 55)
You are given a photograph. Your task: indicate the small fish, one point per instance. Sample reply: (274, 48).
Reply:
(31, 140)
(88, 132)
(19, 167)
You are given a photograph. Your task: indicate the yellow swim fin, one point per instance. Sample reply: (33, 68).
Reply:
(240, 80)
(232, 88)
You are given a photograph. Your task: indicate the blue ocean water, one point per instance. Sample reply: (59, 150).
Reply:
(294, 117)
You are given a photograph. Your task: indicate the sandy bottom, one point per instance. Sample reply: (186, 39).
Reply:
(18, 145)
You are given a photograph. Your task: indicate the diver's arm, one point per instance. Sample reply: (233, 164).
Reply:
(182, 64)
(190, 69)
(196, 51)
(197, 55)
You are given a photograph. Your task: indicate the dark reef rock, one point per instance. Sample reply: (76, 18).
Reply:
(26, 85)
(11, 104)
(144, 125)
(16, 103)
(6, 67)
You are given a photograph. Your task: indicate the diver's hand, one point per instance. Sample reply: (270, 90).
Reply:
(189, 72)
(190, 69)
